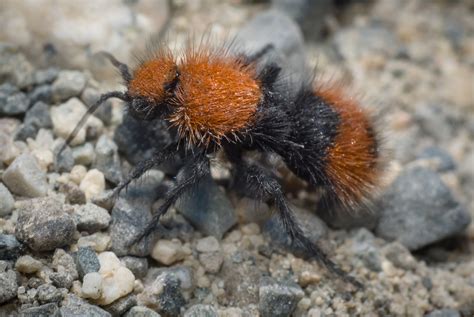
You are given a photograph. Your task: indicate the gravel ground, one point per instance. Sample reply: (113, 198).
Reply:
(64, 248)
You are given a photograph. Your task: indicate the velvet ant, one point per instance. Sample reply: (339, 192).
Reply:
(215, 100)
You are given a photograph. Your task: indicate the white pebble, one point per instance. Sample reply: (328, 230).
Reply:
(168, 251)
(117, 280)
(92, 184)
(78, 172)
(208, 244)
(25, 177)
(92, 285)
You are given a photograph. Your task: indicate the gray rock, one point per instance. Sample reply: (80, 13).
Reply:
(137, 141)
(91, 218)
(438, 120)
(208, 209)
(6, 201)
(132, 213)
(443, 160)
(8, 286)
(107, 160)
(86, 261)
(43, 93)
(73, 306)
(10, 248)
(69, 83)
(164, 294)
(12, 101)
(47, 293)
(365, 248)
(64, 161)
(74, 195)
(310, 15)
(64, 262)
(61, 279)
(138, 266)
(120, 306)
(445, 312)
(278, 299)
(418, 209)
(201, 310)
(46, 310)
(312, 226)
(141, 311)
(45, 76)
(14, 67)
(36, 117)
(84, 154)
(89, 96)
(44, 224)
(183, 273)
(399, 256)
(274, 27)
(25, 178)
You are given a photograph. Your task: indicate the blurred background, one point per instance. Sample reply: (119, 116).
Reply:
(410, 61)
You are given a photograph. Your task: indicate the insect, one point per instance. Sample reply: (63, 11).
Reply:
(218, 101)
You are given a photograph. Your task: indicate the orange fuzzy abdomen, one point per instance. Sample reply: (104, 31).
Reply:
(352, 162)
(216, 96)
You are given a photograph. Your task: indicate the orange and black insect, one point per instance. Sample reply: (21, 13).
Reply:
(215, 100)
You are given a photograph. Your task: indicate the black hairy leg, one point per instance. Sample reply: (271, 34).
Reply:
(258, 181)
(158, 157)
(195, 168)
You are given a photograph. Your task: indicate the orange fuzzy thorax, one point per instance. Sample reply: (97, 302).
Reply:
(217, 96)
(150, 78)
(353, 159)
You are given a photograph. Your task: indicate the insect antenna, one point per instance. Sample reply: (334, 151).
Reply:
(113, 94)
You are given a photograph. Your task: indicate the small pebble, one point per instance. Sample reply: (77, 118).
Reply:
(84, 154)
(46, 310)
(92, 285)
(208, 244)
(10, 248)
(201, 310)
(138, 266)
(141, 311)
(36, 118)
(92, 184)
(27, 264)
(24, 177)
(44, 224)
(91, 218)
(77, 174)
(69, 83)
(47, 293)
(107, 159)
(8, 286)
(278, 299)
(86, 261)
(117, 280)
(6, 201)
(73, 306)
(168, 252)
(98, 241)
(211, 262)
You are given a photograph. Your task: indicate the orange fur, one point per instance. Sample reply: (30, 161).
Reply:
(352, 161)
(217, 96)
(150, 77)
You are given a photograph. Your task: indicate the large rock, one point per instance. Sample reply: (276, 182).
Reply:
(8, 286)
(44, 224)
(419, 209)
(25, 177)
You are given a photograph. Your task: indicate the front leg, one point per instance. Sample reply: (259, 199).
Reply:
(258, 181)
(195, 168)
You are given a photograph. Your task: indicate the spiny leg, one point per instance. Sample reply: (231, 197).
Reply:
(258, 181)
(158, 157)
(195, 169)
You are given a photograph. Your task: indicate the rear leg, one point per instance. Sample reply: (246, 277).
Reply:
(258, 181)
